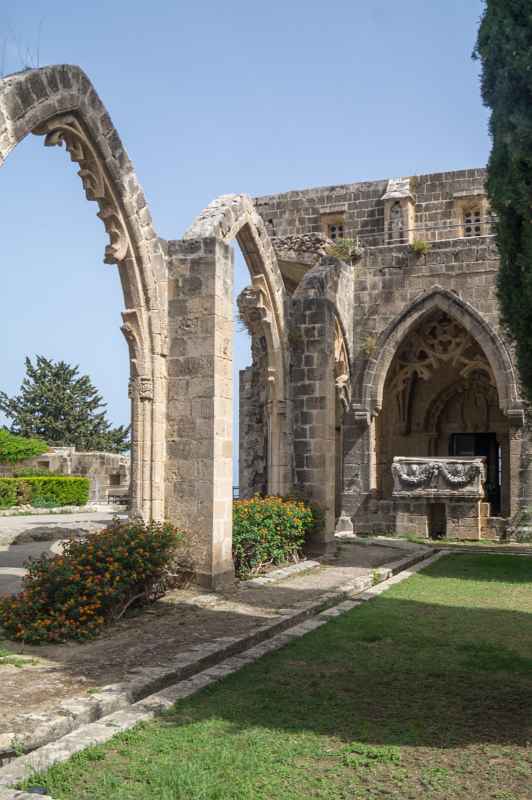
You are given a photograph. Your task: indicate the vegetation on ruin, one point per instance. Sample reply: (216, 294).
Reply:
(59, 405)
(504, 47)
(420, 247)
(348, 250)
(268, 531)
(15, 448)
(94, 582)
(50, 491)
(422, 693)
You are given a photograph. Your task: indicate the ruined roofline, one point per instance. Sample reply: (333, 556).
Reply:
(292, 194)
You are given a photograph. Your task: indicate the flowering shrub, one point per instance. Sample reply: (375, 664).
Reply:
(269, 530)
(94, 581)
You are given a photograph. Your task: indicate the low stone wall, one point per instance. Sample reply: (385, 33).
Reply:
(109, 473)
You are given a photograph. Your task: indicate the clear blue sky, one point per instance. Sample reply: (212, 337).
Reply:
(211, 98)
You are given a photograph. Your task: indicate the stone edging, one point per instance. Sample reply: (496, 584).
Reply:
(73, 713)
(280, 574)
(228, 657)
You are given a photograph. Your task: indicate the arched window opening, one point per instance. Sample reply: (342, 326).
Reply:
(396, 232)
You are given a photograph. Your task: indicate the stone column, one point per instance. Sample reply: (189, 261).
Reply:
(357, 467)
(199, 428)
(314, 403)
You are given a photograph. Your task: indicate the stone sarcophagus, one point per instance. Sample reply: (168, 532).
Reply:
(440, 497)
(439, 478)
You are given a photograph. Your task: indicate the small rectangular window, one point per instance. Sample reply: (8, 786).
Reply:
(336, 231)
(472, 222)
(115, 479)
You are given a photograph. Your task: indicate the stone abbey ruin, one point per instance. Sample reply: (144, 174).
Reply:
(382, 387)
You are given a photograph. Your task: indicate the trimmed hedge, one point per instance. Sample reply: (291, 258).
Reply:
(45, 491)
(93, 583)
(269, 530)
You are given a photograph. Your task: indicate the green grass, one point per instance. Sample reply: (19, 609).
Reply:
(425, 692)
(8, 659)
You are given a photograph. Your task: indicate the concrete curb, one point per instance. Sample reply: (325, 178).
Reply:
(224, 661)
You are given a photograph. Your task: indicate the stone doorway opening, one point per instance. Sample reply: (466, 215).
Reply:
(484, 445)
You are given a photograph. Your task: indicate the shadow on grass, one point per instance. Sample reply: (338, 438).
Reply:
(394, 672)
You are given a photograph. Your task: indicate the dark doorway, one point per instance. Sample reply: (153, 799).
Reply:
(482, 444)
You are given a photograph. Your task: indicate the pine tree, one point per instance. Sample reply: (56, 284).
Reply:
(504, 47)
(57, 404)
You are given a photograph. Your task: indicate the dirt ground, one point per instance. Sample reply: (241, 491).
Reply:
(156, 635)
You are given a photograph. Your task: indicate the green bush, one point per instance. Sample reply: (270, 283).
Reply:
(8, 493)
(74, 595)
(15, 448)
(32, 472)
(269, 530)
(44, 492)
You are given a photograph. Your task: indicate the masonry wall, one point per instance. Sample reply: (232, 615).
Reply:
(386, 281)
(436, 195)
(109, 473)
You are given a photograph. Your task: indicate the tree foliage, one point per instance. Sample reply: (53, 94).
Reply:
(504, 47)
(59, 405)
(18, 448)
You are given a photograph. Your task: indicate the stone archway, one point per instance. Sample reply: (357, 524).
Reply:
(263, 308)
(200, 285)
(60, 104)
(440, 392)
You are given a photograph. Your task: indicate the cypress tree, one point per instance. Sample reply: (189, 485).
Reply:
(504, 47)
(57, 404)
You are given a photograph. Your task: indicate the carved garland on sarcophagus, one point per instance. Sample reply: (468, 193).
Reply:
(66, 130)
(415, 476)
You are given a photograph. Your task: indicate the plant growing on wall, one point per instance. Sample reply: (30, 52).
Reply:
(504, 47)
(348, 250)
(59, 405)
(18, 448)
(419, 247)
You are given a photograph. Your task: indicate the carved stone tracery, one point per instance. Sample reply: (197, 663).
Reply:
(67, 130)
(439, 341)
(342, 378)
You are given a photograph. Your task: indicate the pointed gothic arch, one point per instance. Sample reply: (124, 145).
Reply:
(60, 104)
(263, 307)
(489, 341)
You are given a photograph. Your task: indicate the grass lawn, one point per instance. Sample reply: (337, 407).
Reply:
(425, 692)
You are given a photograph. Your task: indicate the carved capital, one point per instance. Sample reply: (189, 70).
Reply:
(140, 388)
(256, 308)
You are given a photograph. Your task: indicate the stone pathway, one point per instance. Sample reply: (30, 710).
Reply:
(154, 641)
(30, 527)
